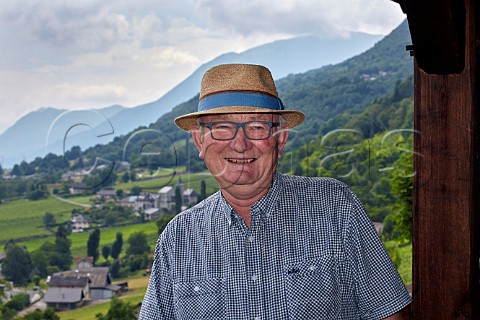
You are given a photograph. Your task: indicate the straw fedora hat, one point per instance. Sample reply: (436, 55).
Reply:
(238, 88)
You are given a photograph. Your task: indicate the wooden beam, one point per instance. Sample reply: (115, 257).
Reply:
(437, 29)
(446, 191)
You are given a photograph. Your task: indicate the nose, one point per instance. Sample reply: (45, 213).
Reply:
(240, 143)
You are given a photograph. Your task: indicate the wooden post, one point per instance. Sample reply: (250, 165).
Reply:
(446, 191)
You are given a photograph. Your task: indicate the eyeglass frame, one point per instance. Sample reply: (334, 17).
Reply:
(238, 125)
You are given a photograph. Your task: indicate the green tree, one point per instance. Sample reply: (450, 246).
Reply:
(137, 244)
(163, 221)
(17, 265)
(115, 269)
(18, 302)
(402, 187)
(74, 153)
(62, 249)
(48, 220)
(178, 200)
(106, 251)
(119, 193)
(203, 190)
(10, 242)
(36, 280)
(125, 177)
(16, 171)
(118, 310)
(117, 246)
(92, 244)
(48, 314)
(46, 260)
(135, 190)
(40, 262)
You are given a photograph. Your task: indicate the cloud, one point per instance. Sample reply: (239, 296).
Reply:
(92, 53)
(106, 92)
(92, 25)
(327, 18)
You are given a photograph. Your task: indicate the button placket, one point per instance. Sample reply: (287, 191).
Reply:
(253, 267)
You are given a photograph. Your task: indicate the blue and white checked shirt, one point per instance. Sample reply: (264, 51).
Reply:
(311, 253)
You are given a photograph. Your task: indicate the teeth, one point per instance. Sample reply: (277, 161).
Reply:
(240, 160)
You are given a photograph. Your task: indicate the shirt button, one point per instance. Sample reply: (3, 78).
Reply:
(196, 288)
(256, 318)
(312, 267)
(251, 238)
(254, 277)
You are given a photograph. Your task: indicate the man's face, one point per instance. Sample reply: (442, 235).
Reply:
(241, 163)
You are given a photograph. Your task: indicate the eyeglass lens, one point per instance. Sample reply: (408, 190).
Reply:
(254, 130)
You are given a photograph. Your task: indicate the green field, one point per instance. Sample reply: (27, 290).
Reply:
(405, 268)
(107, 237)
(23, 218)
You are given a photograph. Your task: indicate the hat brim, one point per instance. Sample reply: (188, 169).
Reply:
(188, 121)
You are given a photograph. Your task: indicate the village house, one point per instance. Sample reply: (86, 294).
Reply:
(145, 201)
(166, 198)
(152, 214)
(77, 188)
(79, 223)
(129, 202)
(64, 298)
(76, 281)
(98, 284)
(106, 194)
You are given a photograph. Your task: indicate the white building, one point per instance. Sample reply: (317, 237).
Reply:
(152, 213)
(79, 223)
(166, 198)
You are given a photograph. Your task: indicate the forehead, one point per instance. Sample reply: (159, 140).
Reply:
(240, 117)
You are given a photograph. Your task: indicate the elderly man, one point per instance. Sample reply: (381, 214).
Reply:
(267, 245)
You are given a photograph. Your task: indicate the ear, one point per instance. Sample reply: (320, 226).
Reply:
(282, 139)
(197, 137)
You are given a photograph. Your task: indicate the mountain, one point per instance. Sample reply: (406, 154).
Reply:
(329, 96)
(282, 57)
(42, 131)
(29, 136)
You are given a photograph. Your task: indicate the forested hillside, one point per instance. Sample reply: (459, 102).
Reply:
(366, 151)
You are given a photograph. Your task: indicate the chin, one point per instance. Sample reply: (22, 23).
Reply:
(243, 178)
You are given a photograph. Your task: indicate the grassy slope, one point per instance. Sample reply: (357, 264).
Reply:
(405, 268)
(23, 218)
(107, 237)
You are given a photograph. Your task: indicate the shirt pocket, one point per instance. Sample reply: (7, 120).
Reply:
(202, 299)
(313, 289)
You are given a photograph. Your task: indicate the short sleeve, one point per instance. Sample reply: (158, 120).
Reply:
(158, 300)
(379, 288)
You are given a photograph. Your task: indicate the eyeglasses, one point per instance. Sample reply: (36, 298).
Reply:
(227, 130)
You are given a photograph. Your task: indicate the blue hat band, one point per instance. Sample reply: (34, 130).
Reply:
(240, 99)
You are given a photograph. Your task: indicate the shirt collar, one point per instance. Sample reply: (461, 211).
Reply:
(265, 207)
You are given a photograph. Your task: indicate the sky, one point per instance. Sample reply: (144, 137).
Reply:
(94, 53)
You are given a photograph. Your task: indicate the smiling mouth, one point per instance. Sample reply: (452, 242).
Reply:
(241, 161)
